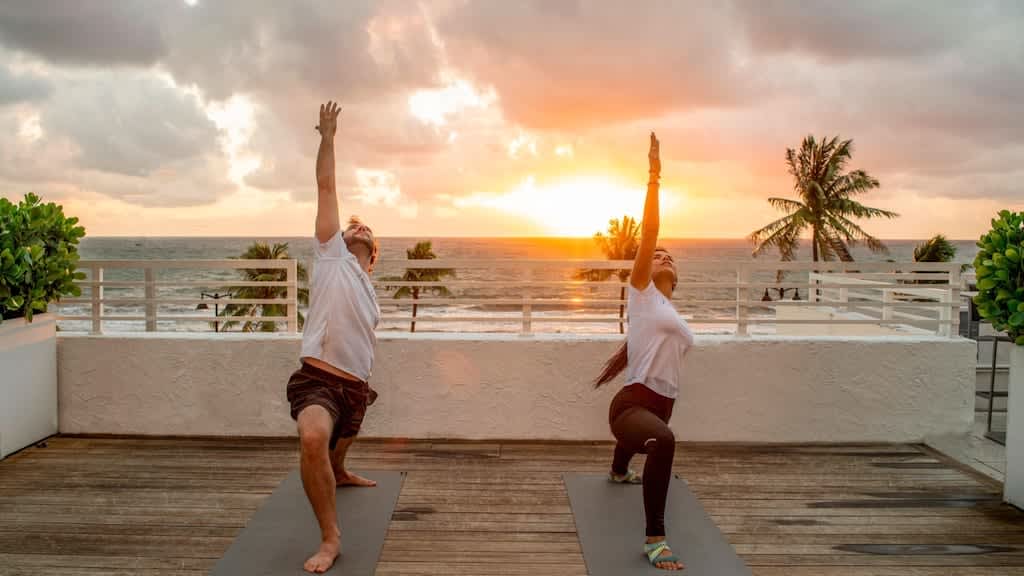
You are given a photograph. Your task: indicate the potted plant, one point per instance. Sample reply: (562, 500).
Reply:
(1000, 271)
(38, 256)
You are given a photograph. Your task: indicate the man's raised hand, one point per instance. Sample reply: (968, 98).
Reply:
(328, 119)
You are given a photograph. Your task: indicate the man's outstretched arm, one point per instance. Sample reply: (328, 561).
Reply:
(327, 220)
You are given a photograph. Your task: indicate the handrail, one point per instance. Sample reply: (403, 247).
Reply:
(97, 285)
(540, 291)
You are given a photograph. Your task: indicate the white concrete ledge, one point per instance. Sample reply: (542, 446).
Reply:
(758, 389)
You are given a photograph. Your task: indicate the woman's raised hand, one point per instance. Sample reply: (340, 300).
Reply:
(654, 157)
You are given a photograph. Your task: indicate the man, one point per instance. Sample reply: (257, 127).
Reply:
(329, 393)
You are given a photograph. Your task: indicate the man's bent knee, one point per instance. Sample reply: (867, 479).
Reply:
(314, 423)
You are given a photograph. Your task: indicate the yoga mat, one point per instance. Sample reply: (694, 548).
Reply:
(283, 533)
(610, 523)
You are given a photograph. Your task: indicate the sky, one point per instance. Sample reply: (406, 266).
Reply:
(520, 118)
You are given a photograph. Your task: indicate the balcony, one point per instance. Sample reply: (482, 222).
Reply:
(804, 422)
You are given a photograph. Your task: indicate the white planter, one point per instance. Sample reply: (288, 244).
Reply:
(1013, 489)
(28, 382)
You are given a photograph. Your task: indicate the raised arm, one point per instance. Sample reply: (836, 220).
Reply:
(327, 219)
(641, 275)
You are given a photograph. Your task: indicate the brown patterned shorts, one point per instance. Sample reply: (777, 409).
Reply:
(345, 400)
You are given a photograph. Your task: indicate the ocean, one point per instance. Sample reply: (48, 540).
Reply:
(390, 264)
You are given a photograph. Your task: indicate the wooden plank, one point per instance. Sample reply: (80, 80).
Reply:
(107, 505)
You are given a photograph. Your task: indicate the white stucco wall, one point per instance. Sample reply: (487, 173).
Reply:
(759, 389)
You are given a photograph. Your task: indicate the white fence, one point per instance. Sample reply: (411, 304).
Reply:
(145, 307)
(530, 294)
(916, 305)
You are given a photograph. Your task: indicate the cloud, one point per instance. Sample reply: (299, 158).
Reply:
(277, 49)
(96, 32)
(16, 88)
(576, 64)
(838, 30)
(134, 137)
(128, 123)
(140, 101)
(382, 188)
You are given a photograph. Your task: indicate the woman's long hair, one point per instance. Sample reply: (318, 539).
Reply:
(614, 365)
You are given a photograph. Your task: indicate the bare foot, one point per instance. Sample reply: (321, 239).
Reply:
(350, 479)
(324, 557)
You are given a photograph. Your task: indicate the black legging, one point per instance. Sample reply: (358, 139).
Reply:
(639, 420)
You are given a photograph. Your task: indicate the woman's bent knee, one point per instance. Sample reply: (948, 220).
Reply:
(661, 441)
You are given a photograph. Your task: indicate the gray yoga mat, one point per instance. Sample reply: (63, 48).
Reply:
(283, 533)
(610, 523)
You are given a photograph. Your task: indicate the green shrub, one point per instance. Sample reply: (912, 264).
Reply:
(1000, 269)
(38, 256)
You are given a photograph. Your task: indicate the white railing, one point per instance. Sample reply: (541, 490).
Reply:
(526, 294)
(878, 299)
(96, 286)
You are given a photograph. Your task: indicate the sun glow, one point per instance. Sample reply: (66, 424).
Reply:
(235, 118)
(577, 206)
(435, 107)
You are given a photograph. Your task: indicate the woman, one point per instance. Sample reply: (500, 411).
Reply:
(656, 343)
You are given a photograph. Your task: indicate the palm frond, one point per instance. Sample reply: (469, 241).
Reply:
(858, 234)
(785, 204)
(780, 234)
(593, 274)
(422, 250)
(852, 184)
(936, 249)
(825, 250)
(846, 207)
(836, 245)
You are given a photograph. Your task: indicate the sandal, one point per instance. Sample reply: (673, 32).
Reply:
(654, 550)
(630, 477)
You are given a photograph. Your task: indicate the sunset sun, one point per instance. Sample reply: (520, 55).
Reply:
(577, 206)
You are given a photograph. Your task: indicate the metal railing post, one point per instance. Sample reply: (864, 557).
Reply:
(888, 298)
(742, 277)
(293, 297)
(96, 292)
(150, 276)
(954, 299)
(527, 307)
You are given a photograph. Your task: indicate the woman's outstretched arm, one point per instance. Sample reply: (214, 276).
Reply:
(641, 275)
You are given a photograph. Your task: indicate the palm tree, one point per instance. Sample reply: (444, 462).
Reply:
(421, 251)
(620, 243)
(825, 205)
(936, 249)
(263, 251)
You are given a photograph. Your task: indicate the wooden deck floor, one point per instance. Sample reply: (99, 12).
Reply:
(172, 506)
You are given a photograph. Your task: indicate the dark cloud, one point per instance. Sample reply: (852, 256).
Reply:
(58, 165)
(875, 29)
(93, 32)
(21, 87)
(353, 50)
(129, 124)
